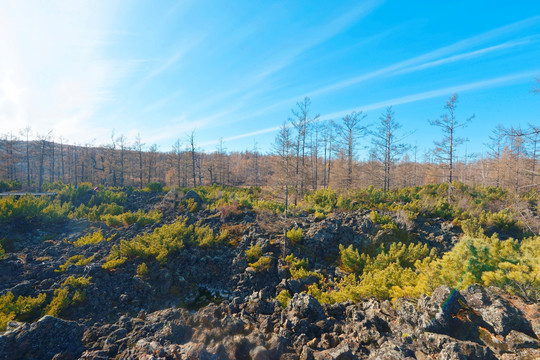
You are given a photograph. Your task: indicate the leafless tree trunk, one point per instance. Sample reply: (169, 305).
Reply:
(26, 132)
(283, 149)
(139, 148)
(388, 146)
(301, 121)
(349, 131)
(192, 150)
(446, 148)
(177, 153)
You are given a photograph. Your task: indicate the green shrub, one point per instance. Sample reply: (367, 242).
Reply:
(294, 235)
(283, 298)
(72, 292)
(164, 241)
(253, 253)
(32, 210)
(155, 187)
(24, 308)
(322, 200)
(93, 238)
(263, 264)
(351, 261)
(142, 270)
(113, 220)
(77, 260)
(299, 268)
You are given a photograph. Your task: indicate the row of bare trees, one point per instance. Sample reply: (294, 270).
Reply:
(307, 154)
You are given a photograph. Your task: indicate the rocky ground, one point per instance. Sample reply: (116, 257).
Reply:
(207, 303)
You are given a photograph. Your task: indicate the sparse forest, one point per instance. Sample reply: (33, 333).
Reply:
(317, 154)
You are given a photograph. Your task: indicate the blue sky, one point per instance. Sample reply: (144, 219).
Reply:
(234, 70)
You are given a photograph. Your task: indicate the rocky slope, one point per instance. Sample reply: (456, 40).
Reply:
(208, 303)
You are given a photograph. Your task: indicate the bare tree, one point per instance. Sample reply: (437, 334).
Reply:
(152, 157)
(301, 121)
(193, 160)
(26, 133)
(283, 149)
(445, 150)
(533, 136)
(122, 144)
(256, 163)
(349, 131)
(388, 146)
(138, 146)
(42, 153)
(177, 153)
(221, 158)
(496, 147)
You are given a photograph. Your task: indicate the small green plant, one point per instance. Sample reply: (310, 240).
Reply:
(142, 270)
(283, 298)
(155, 187)
(77, 260)
(263, 264)
(299, 268)
(351, 261)
(294, 235)
(24, 308)
(253, 253)
(72, 292)
(93, 238)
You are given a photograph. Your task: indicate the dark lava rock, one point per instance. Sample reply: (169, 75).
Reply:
(305, 306)
(42, 340)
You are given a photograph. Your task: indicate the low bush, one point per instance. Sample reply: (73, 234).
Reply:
(76, 260)
(164, 241)
(155, 187)
(93, 238)
(253, 253)
(72, 292)
(24, 308)
(283, 298)
(263, 264)
(299, 268)
(294, 235)
(142, 270)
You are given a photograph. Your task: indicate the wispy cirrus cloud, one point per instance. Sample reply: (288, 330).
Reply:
(484, 84)
(287, 55)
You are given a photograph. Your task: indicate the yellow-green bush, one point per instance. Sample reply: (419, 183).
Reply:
(93, 238)
(32, 210)
(72, 292)
(142, 269)
(299, 268)
(24, 308)
(253, 253)
(389, 275)
(77, 260)
(351, 261)
(283, 298)
(294, 235)
(263, 264)
(164, 241)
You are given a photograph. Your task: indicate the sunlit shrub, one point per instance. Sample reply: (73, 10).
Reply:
(253, 253)
(263, 264)
(142, 270)
(24, 308)
(283, 298)
(155, 187)
(92, 238)
(294, 235)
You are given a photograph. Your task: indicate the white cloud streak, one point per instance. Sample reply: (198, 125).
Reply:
(485, 84)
